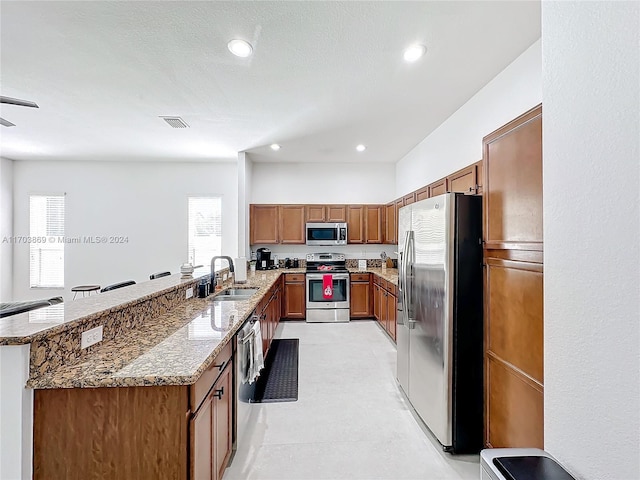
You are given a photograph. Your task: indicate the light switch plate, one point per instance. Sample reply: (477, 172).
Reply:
(189, 292)
(91, 337)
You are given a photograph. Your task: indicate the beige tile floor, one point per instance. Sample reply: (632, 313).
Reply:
(350, 420)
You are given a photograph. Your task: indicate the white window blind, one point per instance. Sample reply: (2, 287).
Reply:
(205, 229)
(46, 242)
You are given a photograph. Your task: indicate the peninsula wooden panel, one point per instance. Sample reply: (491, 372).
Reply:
(292, 223)
(516, 407)
(263, 224)
(513, 182)
(110, 433)
(515, 308)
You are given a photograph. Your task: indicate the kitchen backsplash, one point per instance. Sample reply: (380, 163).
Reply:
(351, 252)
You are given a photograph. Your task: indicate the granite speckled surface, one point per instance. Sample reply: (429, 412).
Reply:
(38, 324)
(174, 349)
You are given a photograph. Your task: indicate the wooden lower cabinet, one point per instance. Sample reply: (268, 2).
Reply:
(360, 303)
(294, 299)
(159, 432)
(385, 305)
(210, 431)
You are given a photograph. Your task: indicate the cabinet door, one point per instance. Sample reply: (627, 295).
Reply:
(409, 199)
(263, 221)
(376, 301)
(336, 213)
(399, 205)
(222, 422)
(294, 298)
(390, 227)
(315, 213)
(373, 224)
(392, 308)
(438, 188)
(201, 439)
(292, 224)
(355, 224)
(384, 314)
(360, 299)
(422, 194)
(463, 180)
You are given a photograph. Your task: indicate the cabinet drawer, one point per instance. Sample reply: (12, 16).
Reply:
(294, 277)
(359, 277)
(198, 391)
(383, 283)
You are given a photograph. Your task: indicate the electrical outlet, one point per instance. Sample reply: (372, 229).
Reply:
(189, 292)
(91, 337)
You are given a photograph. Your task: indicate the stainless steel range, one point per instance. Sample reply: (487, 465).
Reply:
(327, 288)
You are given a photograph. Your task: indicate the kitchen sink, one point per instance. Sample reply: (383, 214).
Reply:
(235, 295)
(242, 292)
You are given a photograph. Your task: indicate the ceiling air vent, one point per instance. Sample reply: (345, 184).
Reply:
(175, 122)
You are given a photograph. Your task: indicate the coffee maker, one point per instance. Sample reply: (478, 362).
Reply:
(263, 259)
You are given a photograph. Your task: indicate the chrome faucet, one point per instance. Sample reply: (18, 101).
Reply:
(213, 272)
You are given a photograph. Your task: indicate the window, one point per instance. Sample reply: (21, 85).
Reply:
(205, 229)
(46, 246)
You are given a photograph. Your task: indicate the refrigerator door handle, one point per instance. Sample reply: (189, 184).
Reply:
(408, 279)
(400, 316)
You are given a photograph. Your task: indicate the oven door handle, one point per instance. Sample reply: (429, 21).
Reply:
(318, 276)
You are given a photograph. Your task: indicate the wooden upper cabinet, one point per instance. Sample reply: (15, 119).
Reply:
(263, 224)
(438, 188)
(292, 224)
(315, 213)
(479, 177)
(409, 199)
(326, 213)
(513, 183)
(463, 181)
(390, 225)
(336, 213)
(422, 194)
(355, 224)
(373, 223)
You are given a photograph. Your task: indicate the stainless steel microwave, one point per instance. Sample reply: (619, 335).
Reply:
(326, 233)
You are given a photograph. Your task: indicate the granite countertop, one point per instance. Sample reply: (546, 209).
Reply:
(26, 327)
(177, 348)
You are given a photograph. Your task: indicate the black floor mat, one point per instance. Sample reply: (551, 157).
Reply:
(278, 381)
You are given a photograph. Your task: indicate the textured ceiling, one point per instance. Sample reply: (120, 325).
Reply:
(324, 76)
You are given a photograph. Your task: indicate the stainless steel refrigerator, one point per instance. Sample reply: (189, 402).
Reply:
(439, 331)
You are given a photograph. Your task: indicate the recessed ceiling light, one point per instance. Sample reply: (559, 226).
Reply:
(275, 146)
(414, 52)
(240, 48)
(361, 148)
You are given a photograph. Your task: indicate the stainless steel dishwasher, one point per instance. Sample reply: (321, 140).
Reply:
(243, 390)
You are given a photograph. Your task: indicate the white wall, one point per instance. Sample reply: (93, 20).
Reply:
(6, 229)
(146, 202)
(591, 151)
(322, 183)
(458, 141)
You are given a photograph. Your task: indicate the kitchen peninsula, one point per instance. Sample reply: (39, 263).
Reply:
(163, 362)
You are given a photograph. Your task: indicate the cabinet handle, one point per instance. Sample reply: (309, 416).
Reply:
(219, 367)
(218, 393)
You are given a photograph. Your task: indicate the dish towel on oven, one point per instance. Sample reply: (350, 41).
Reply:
(327, 286)
(257, 357)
